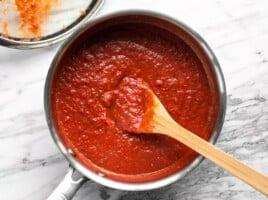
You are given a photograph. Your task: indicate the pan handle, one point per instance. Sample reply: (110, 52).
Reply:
(67, 187)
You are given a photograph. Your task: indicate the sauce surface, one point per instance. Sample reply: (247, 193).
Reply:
(85, 103)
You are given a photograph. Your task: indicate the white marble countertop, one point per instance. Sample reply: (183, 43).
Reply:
(31, 165)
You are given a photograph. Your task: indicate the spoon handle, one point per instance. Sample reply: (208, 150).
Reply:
(222, 159)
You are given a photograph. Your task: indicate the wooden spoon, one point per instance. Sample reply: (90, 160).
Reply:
(156, 120)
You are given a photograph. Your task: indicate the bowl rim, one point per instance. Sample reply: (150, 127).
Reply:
(99, 178)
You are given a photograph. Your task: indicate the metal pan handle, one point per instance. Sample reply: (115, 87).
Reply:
(67, 187)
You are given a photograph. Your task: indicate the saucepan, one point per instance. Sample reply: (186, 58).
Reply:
(69, 185)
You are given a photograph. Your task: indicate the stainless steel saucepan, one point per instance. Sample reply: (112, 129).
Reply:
(68, 186)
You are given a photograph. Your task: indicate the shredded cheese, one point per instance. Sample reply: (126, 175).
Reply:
(33, 14)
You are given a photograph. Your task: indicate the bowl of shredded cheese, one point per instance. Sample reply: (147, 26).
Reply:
(28, 24)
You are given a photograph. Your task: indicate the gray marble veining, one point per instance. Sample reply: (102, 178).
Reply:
(237, 31)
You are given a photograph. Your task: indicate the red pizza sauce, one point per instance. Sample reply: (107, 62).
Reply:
(86, 105)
